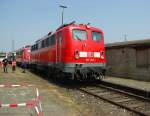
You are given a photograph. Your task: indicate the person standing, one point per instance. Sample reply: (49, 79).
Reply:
(24, 66)
(13, 65)
(5, 62)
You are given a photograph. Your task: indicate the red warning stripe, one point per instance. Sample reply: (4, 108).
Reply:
(39, 113)
(31, 103)
(13, 105)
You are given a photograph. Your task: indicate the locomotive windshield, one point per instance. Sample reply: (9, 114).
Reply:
(79, 34)
(96, 36)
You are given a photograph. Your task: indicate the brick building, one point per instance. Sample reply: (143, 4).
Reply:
(129, 59)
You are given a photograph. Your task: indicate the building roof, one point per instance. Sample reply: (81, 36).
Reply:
(134, 43)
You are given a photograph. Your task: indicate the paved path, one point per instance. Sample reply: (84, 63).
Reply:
(54, 101)
(129, 82)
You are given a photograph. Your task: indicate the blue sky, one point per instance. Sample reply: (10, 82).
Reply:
(25, 21)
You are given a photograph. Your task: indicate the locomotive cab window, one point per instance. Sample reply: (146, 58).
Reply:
(96, 36)
(79, 34)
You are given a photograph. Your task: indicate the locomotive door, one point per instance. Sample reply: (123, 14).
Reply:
(59, 46)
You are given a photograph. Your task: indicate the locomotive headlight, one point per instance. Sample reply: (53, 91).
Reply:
(96, 54)
(77, 54)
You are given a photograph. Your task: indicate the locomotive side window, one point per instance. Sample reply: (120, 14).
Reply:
(79, 34)
(32, 48)
(36, 46)
(43, 45)
(40, 45)
(53, 39)
(96, 36)
(47, 42)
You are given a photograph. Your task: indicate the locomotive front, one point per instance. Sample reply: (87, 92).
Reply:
(85, 53)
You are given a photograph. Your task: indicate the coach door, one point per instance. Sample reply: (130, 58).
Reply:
(59, 46)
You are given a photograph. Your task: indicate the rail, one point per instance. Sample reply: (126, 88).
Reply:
(124, 99)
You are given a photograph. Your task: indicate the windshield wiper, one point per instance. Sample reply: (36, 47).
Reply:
(78, 38)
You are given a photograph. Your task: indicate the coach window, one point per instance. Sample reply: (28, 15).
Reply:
(96, 36)
(79, 34)
(21, 52)
(36, 46)
(32, 48)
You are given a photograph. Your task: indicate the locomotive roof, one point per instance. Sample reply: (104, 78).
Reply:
(41, 39)
(134, 43)
(49, 34)
(78, 25)
(72, 24)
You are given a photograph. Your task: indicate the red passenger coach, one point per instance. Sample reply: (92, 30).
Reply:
(75, 50)
(23, 55)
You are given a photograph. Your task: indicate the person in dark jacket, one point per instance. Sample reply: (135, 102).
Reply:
(24, 66)
(5, 63)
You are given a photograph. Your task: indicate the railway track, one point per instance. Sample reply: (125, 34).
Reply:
(129, 101)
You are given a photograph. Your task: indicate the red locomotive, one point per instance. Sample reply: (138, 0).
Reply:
(74, 50)
(23, 55)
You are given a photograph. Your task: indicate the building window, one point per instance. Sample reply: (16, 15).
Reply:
(142, 59)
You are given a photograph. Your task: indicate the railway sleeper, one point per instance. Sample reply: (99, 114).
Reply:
(123, 100)
(137, 105)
